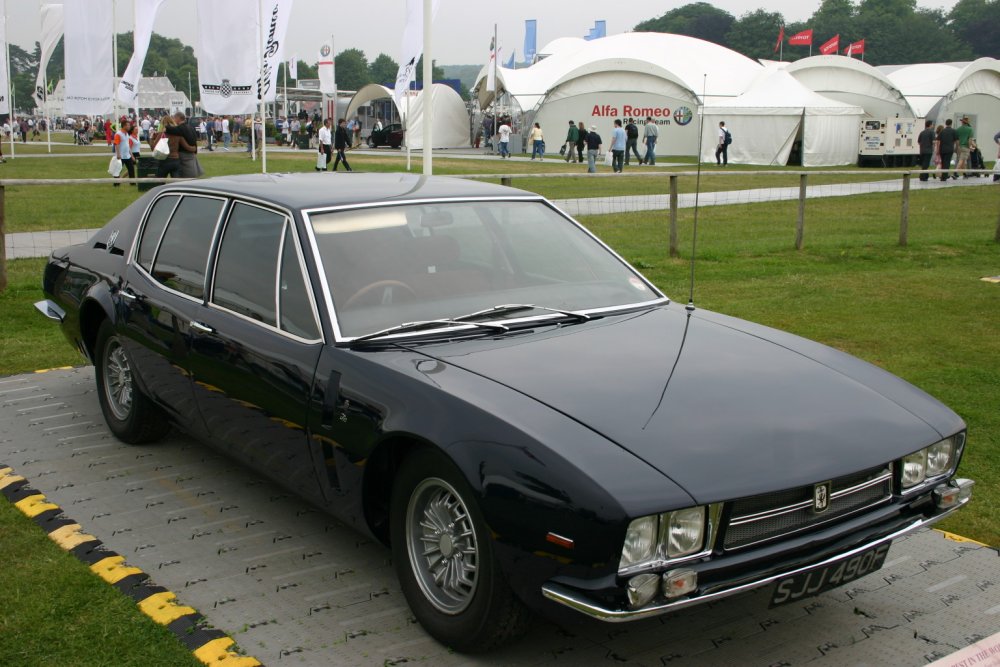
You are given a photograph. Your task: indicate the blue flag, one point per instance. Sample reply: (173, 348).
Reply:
(510, 61)
(530, 40)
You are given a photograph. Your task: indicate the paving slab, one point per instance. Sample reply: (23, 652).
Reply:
(295, 587)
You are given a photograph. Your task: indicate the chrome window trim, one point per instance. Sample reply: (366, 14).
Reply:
(339, 338)
(288, 221)
(206, 284)
(133, 251)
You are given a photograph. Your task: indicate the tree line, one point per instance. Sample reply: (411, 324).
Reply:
(896, 32)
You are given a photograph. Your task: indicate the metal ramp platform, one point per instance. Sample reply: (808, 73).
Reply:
(294, 587)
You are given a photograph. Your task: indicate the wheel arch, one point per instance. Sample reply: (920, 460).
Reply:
(92, 314)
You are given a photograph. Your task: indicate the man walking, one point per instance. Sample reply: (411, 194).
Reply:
(581, 141)
(722, 149)
(325, 144)
(965, 134)
(926, 142)
(504, 144)
(617, 147)
(631, 139)
(572, 136)
(948, 142)
(341, 140)
(227, 135)
(649, 135)
(593, 148)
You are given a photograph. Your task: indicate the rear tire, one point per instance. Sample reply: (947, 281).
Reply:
(443, 555)
(129, 413)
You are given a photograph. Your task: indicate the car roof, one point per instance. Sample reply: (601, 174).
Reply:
(320, 190)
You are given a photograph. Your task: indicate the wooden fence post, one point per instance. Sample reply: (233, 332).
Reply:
(801, 223)
(673, 216)
(996, 236)
(505, 180)
(3, 242)
(904, 216)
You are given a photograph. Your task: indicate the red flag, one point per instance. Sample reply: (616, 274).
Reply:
(832, 45)
(855, 47)
(804, 38)
(781, 38)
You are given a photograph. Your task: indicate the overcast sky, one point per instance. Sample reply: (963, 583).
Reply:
(462, 30)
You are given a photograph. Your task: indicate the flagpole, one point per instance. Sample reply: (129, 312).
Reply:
(10, 84)
(260, 93)
(114, 56)
(428, 92)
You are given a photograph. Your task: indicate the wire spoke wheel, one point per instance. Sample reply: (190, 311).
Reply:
(118, 386)
(442, 546)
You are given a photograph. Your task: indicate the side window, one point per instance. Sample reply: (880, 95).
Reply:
(295, 302)
(153, 230)
(180, 262)
(247, 268)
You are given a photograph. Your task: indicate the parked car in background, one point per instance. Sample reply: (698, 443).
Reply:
(465, 373)
(391, 135)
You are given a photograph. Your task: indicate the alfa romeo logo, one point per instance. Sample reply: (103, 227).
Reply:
(324, 50)
(683, 116)
(226, 89)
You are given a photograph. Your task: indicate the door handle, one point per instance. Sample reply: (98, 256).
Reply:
(201, 328)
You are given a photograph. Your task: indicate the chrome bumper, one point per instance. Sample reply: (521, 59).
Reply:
(575, 600)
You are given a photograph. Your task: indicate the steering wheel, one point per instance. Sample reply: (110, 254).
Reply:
(378, 284)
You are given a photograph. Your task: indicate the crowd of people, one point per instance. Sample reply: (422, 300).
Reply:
(951, 150)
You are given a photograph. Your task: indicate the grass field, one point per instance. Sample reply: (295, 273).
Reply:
(921, 312)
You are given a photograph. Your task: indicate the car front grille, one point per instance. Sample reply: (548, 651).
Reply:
(772, 515)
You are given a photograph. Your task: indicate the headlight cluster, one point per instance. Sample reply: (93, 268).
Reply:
(664, 536)
(930, 462)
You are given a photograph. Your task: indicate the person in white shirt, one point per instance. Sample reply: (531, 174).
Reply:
(722, 148)
(325, 142)
(504, 132)
(144, 125)
(227, 136)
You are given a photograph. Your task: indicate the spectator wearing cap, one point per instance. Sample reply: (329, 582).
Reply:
(965, 134)
(593, 148)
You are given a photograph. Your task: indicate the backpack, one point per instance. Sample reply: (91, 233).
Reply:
(729, 138)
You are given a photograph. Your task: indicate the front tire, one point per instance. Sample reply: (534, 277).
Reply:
(444, 558)
(129, 413)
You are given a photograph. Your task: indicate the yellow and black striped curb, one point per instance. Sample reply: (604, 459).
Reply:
(210, 646)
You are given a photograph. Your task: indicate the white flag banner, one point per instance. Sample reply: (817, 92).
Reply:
(89, 64)
(145, 16)
(4, 82)
(325, 67)
(413, 46)
(228, 46)
(274, 14)
(293, 68)
(52, 32)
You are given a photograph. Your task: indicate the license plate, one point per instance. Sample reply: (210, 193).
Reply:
(815, 581)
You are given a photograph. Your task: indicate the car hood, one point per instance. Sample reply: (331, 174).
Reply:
(723, 407)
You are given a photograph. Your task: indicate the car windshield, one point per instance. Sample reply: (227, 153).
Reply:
(391, 265)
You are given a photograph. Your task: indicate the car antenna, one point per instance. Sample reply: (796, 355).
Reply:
(697, 189)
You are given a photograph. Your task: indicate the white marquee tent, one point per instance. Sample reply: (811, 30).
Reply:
(451, 119)
(773, 113)
(952, 90)
(853, 81)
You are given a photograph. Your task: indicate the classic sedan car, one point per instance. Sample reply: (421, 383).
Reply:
(391, 135)
(464, 372)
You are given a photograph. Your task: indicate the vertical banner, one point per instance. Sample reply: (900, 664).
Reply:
(491, 66)
(530, 40)
(327, 78)
(52, 32)
(4, 81)
(293, 68)
(275, 15)
(89, 61)
(145, 16)
(412, 47)
(228, 45)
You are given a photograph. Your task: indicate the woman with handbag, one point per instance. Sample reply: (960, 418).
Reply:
(166, 149)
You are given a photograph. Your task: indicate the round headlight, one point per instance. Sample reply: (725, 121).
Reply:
(640, 541)
(685, 531)
(939, 457)
(914, 468)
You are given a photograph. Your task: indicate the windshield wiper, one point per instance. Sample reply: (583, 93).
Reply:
(516, 307)
(407, 327)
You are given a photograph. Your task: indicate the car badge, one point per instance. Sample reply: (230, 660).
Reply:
(821, 497)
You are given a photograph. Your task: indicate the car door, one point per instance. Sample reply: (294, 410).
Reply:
(255, 344)
(163, 290)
